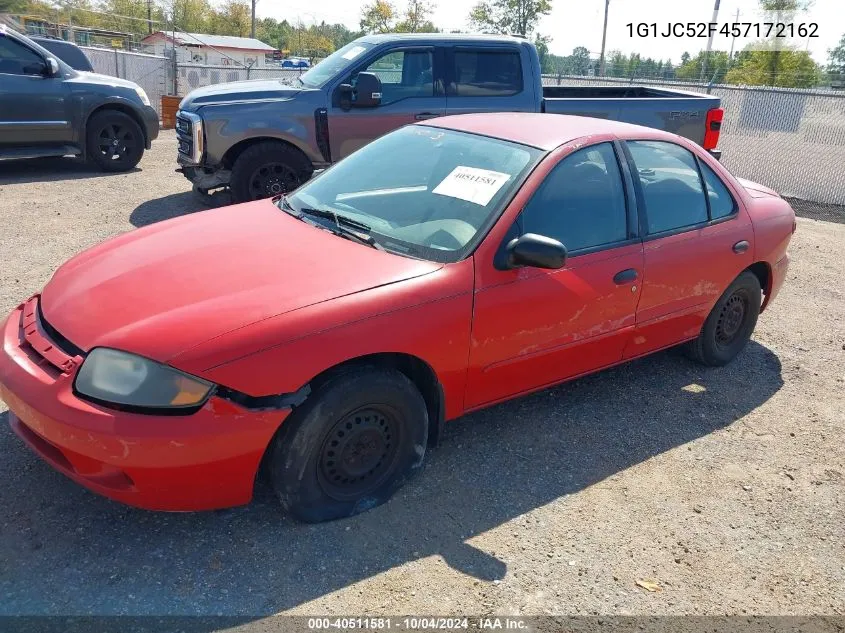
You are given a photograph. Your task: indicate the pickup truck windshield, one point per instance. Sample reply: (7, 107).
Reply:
(422, 191)
(334, 64)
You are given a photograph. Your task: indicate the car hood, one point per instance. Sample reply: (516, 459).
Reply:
(102, 80)
(256, 89)
(163, 289)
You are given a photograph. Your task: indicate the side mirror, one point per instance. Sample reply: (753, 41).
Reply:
(52, 67)
(537, 251)
(49, 67)
(368, 91)
(344, 95)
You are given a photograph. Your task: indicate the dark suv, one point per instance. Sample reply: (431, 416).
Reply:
(49, 109)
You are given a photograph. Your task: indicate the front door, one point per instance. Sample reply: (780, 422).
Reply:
(32, 106)
(534, 327)
(411, 92)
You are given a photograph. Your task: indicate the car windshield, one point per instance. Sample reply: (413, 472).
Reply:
(334, 64)
(422, 191)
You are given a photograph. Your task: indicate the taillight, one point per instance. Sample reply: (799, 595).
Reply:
(712, 127)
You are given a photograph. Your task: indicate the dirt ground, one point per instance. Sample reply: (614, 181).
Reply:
(726, 487)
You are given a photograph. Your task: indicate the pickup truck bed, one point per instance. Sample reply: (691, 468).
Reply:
(675, 111)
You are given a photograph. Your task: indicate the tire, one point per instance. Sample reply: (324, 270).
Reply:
(268, 169)
(356, 440)
(730, 323)
(114, 141)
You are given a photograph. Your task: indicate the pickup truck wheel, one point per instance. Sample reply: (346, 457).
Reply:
(268, 169)
(114, 141)
(730, 323)
(351, 445)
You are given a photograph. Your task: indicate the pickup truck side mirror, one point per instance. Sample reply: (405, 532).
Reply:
(537, 251)
(49, 68)
(368, 91)
(52, 67)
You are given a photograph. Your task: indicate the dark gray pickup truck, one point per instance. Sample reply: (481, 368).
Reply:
(265, 137)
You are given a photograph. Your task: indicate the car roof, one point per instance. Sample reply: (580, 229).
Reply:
(378, 38)
(543, 131)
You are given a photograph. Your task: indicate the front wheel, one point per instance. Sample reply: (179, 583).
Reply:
(114, 141)
(351, 445)
(730, 323)
(268, 169)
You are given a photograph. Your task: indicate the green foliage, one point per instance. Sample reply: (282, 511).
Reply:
(836, 58)
(775, 66)
(518, 17)
(718, 65)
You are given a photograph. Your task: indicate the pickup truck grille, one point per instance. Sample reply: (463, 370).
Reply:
(189, 134)
(183, 135)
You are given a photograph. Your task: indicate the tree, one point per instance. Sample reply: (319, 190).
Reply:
(685, 58)
(785, 67)
(378, 17)
(417, 18)
(518, 17)
(580, 61)
(836, 61)
(717, 67)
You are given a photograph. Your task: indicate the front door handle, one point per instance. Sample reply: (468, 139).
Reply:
(625, 276)
(422, 116)
(741, 246)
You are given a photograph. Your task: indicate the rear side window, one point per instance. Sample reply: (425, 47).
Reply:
(487, 73)
(581, 203)
(721, 202)
(15, 58)
(671, 185)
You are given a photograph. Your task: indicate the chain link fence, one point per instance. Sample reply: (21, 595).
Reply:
(148, 71)
(788, 139)
(192, 76)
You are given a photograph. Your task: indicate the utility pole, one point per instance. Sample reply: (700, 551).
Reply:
(252, 30)
(150, 16)
(709, 42)
(604, 38)
(733, 39)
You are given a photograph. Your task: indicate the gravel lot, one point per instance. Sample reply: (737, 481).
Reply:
(724, 486)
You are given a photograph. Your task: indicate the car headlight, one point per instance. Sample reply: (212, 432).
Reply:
(142, 95)
(121, 378)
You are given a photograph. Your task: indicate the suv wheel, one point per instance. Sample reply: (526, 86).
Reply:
(114, 141)
(268, 169)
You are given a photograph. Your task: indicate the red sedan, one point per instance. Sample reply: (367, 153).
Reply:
(331, 333)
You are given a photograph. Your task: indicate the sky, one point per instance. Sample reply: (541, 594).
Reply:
(579, 22)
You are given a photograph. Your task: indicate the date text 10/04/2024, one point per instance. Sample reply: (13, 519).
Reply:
(414, 623)
(728, 29)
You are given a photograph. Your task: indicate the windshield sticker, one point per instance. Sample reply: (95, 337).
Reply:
(472, 184)
(353, 52)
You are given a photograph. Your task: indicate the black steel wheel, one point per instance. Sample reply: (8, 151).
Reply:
(115, 141)
(730, 323)
(272, 179)
(355, 441)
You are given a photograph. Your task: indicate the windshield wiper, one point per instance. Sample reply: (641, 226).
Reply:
(358, 231)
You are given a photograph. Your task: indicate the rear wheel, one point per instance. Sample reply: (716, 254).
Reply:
(268, 169)
(114, 141)
(730, 323)
(351, 445)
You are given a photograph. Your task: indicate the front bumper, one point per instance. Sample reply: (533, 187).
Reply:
(203, 461)
(151, 126)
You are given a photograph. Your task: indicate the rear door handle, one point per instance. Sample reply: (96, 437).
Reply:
(741, 246)
(422, 116)
(625, 276)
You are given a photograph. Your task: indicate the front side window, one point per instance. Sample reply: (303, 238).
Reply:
(334, 64)
(404, 74)
(17, 59)
(487, 73)
(581, 203)
(422, 191)
(671, 186)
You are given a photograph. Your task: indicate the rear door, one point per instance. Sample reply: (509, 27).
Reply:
(412, 90)
(487, 79)
(534, 327)
(32, 106)
(697, 239)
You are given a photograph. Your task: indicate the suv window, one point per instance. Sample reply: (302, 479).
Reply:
(487, 73)
(671, 185)
(581, 202)
(403, 74)
(14, 57)
(721, 202)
